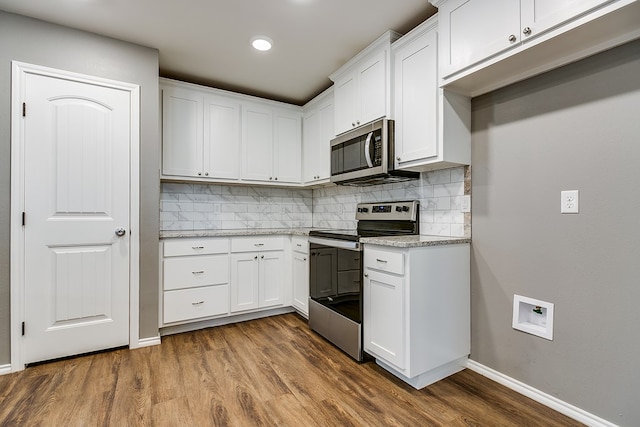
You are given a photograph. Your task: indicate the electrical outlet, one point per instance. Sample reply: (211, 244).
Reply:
(569, 201)
(466, 204)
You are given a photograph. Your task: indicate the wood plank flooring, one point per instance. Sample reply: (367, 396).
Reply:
(267, 372)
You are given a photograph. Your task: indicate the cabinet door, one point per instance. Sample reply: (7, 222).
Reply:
(257, 142)
(540, 15)
(347, 103)
(473, 30)
(416, 99)
(287, 130)
(310, 142)
(244, 281)
(301, 282)
(327, 133)
(182, 132)
(384, 317)
(372, 87)
(221, 137)
(271, 278)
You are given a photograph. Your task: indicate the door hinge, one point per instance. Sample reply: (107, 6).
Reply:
(24, 109)
(23, 328)
(24, 218)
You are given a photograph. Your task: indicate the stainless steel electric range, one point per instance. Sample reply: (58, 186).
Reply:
(335, 271)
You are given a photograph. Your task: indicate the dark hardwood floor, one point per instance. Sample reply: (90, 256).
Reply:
(268, 372)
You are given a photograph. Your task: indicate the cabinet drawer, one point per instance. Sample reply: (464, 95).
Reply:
(189, 272)
(252, 244)
(187, 304)
(300, 244)
(203, 246)
(392, 262)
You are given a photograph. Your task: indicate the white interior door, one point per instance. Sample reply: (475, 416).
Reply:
(77, 140)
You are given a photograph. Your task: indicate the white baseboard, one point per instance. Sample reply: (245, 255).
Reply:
(147, 342)
(540, 396)
(5, 369)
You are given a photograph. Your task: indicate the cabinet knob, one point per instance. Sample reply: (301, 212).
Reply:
(255, 257)
(512, 38)
(276, 178)
(270, 178)
(304, 259)
(353, 124)
(398, 158)
(206, 174)
(366, 274)
(199, 173)
(358, 121)
(526, 31)
(262, 257)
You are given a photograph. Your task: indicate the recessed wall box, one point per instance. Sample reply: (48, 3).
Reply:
(533, 316)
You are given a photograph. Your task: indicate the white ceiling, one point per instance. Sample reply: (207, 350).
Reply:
(208, 41)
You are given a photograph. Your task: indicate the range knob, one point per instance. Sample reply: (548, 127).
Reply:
(405, 209)
(363, 210)
(398, 209)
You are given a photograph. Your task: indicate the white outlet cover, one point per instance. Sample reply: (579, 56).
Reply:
(570, 201)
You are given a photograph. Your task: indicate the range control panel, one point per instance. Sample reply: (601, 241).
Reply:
(404, 210)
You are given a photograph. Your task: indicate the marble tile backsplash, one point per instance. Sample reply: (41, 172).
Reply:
(439, 192)
(217, 207)
(201, 206)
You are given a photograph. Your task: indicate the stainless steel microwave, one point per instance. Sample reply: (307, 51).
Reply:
(364, 156)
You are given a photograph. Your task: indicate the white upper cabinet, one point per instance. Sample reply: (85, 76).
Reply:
(221, 137)
(182, 147)
(478, 29)
(257, 142)
(432, 127)
(271, 145)
(485, 45)
(212, 135)
(287, 138)
(318, 131)
(362, 86)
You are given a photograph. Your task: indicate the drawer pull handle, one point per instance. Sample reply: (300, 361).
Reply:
(197, 303)
(258, 244)
(195, 248)
(298, 245)
(197, 273)
(381, 260)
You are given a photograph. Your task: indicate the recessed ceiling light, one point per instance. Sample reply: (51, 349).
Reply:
(261, 43)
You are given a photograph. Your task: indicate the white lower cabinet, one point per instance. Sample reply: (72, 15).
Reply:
(257, 276)
(195, 278)
(416, 306)
(300, 261)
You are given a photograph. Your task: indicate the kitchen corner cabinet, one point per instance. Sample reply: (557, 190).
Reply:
(271, 145)
(257, 273)
(432, 126)
(300, 261)
(195, 277)
(416, 308)
(362, 86)
(201, 134)
(318, 131)
(486, 45)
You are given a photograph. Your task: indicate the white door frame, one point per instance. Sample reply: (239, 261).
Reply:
(19, 71)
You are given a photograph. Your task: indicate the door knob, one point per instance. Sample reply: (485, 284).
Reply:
(120, 231)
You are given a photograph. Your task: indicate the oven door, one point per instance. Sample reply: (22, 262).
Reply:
(335, 276)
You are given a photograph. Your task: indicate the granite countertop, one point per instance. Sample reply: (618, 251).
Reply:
(414, 241)
(168, 234)
(394, 241)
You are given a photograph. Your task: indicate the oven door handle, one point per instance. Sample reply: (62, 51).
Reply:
(367, 150)
(335, 243)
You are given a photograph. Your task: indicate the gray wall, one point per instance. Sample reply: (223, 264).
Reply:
(40, 43)
(575, 128)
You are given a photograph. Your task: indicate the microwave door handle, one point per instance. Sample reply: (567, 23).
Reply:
(367, 150)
